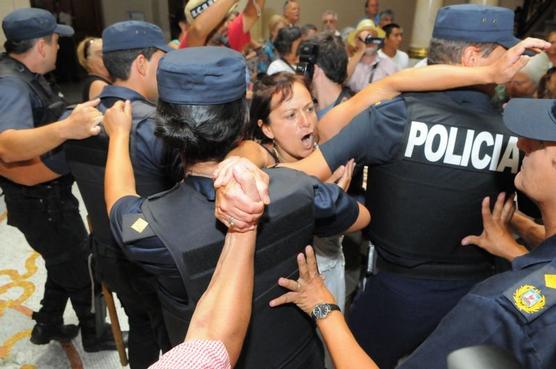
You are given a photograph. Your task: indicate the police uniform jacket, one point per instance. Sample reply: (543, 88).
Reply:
(156, 169)
(432, 158)
(515, 310)
(180, 243)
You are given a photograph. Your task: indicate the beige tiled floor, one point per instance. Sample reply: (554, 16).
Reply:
(22, 276)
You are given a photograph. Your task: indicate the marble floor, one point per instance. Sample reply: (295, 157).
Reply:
(22, 276)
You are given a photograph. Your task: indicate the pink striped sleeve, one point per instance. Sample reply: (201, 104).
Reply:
(196, 354)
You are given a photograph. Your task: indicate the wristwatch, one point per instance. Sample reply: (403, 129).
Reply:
(321, 311)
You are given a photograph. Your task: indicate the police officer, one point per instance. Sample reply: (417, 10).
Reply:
(131, 52)
(514, 310)
(36, 184)
(433, 157)
(175, 235)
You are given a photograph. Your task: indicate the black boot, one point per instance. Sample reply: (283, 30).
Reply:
(93, 342)
(47, 330)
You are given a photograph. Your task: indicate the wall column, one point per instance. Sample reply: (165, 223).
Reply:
(485, 2)
(423, 24)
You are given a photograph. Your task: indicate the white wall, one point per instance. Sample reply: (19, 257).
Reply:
(6, 6)
(155, 11)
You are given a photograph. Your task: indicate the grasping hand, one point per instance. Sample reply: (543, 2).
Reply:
(309, 289)
(342, 176)
(117, 119)
(83, 121)
(497, 238)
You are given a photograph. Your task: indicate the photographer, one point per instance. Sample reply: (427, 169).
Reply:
(365, 65)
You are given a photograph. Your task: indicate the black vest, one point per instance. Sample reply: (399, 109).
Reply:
(184, 221)
(429, 198)
(51, 105)
(87, 160)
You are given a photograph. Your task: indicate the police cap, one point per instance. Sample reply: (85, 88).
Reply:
(532, 118)
(128, 35)
(476, 23)
(30, 23)
(202, 76)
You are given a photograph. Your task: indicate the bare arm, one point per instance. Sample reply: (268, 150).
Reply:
(119, 180)
(310, 290)
(207, 21)
(431, 78)
(251, 14)
(26, 144)
(253, 152)
(96, 88)
(27, 173)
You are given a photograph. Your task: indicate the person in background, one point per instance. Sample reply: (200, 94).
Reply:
(286, 43)
(372, 9)
(525, 82)
(385, 17)
(365, 65)
(206, 18)
(547, 85)
(267, 53)
(292, 11)
(330, 21)
(308, 31)
(391, 48)
(89, 55)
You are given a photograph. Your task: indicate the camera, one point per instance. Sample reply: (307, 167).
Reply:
(308, 54)
(370, 40)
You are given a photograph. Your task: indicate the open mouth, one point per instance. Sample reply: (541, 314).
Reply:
(308, 140)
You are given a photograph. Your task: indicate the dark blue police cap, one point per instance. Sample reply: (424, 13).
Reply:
(29, 23)
(476, 23)
(129, 35)
(202, 76)
(531, 118)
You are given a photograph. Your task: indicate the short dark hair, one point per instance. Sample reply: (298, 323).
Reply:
(390, 27)
(264, 90)
(201, 132)
(450, 51)
(20, 47)
(332, 57)
(118, 63)
(307, 28)
(285, 39)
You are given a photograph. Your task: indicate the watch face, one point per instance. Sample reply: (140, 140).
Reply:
(321, 311)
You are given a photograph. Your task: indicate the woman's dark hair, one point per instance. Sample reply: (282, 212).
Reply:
(543, 90)
(285, 38)
(201, 132)
(265, 88)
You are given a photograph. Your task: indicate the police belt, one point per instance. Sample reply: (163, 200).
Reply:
(57, 186)
(442, 271)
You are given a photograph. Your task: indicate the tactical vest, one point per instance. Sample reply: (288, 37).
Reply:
(428, 199)
(87, 160)
(184, 221)
(51, 105)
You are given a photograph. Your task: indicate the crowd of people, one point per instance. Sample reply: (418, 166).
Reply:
(207, 164)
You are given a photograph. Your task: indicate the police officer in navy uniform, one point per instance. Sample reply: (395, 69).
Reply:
(131, 52)
(202, 111)
(432, 158)
(515, 310)
(36, 184)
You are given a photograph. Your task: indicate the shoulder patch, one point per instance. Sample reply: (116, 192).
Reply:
(534, 294)
(135, 227)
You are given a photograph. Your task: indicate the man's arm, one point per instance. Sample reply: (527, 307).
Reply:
(430, 78)
(27, 173)
(207, 21)
(310, 290)
(253, 10)
(25, 144)
(119, 180)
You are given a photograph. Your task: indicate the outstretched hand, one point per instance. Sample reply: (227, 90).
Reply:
(513, 60)
(309, 289)
(342, 176)
(497, 237)
(83, 121)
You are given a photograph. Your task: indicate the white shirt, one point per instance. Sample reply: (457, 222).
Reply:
(279, 66)
(365, 73)
(401, 59)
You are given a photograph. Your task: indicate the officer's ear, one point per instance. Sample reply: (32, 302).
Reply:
(141, 64)
(40, 44)
(470, 56)
(265, 128)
